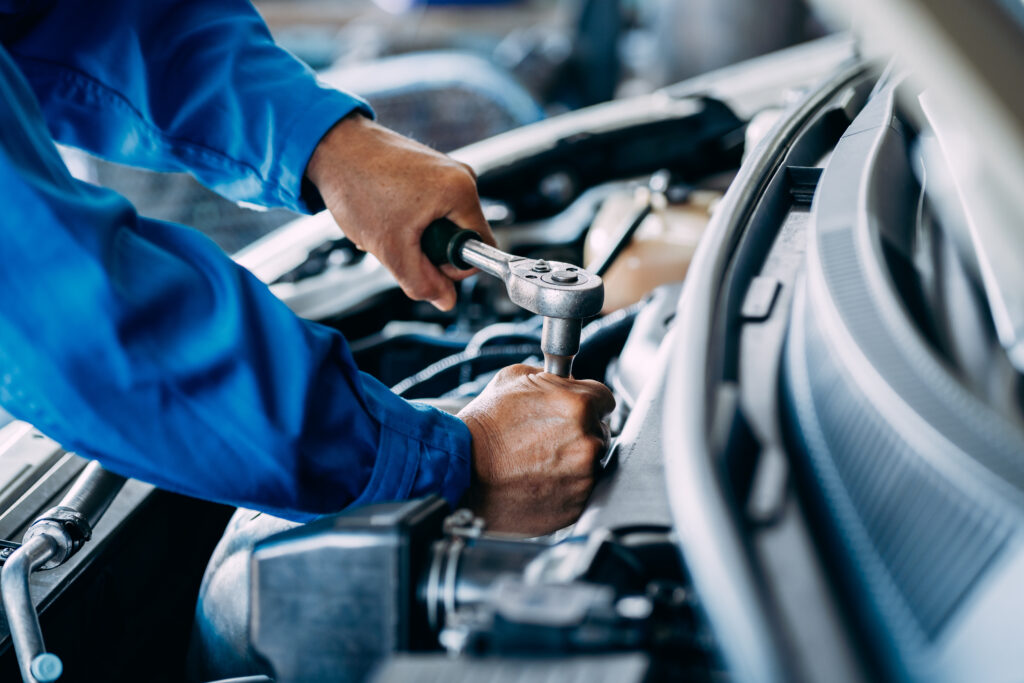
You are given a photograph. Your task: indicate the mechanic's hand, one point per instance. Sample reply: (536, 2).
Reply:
(383, 189)
(537, 442)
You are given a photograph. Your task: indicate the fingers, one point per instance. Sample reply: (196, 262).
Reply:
(510, 373)
(456, 274)
(464, 203)
(537, 441)
(602, 397)
(598, 397)
(383, 189)
(421, 281)
(585, 403)
(469, 215)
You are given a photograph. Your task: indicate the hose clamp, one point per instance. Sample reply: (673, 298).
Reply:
(67, 527)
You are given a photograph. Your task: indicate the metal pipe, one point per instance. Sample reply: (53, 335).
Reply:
(92, 492)
(70, 523)
(463, 572)
(49, 541)
(22, 618)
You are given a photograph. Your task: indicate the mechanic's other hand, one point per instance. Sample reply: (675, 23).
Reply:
(383, 189)
(537, 442)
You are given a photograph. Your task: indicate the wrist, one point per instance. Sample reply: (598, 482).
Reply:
(334, 144)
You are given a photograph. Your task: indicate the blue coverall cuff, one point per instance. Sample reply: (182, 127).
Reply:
(422, 450)
(298, 145)
(410, 466)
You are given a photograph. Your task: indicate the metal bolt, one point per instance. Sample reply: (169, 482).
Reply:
(541, 266)
(46, 668)
(565, 277)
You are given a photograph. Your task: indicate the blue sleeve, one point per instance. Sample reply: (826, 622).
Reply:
(181, 85)
(140, 344)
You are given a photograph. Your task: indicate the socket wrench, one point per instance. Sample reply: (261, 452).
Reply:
(562, 293)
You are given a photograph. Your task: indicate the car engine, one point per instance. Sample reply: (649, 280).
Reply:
(810, 323)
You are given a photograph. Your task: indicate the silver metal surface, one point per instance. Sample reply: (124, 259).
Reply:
(48, 586)
(558, 365)
(437, 553)
(21, 614)
(709, 535)
(489, 259)
(465, 571)
(561, 292)
(994, 238)
(25, 455)
(968, 54)
(451, 575)
(565, 277)
(63, 544)
(48, 543)
(92, 492)
(560, 341)
(80, 508)
(550, 288)
(561, 336)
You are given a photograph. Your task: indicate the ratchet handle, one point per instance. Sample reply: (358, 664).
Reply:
(442, 243)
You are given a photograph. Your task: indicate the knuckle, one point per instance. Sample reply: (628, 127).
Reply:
(600, 397)
(461, 170)
(461, 182)
(511, 372)
(468, 169)
(595, 389)
(505, 374)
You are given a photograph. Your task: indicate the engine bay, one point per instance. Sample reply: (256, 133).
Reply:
(814, 463)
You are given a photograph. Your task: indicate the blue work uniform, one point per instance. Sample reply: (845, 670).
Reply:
(140, 343)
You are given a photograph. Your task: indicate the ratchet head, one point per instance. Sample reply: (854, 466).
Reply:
(548, 288)
(561, 292)
(554, 289)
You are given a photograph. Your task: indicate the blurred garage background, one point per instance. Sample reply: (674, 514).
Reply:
(452, 72)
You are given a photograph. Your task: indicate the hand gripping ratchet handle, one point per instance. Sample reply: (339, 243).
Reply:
(442, 243)
(561, 292)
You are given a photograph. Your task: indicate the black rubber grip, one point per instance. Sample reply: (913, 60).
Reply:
(442, 243)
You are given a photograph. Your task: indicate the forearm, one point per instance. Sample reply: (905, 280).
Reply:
(149, 350)
(141, 344)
